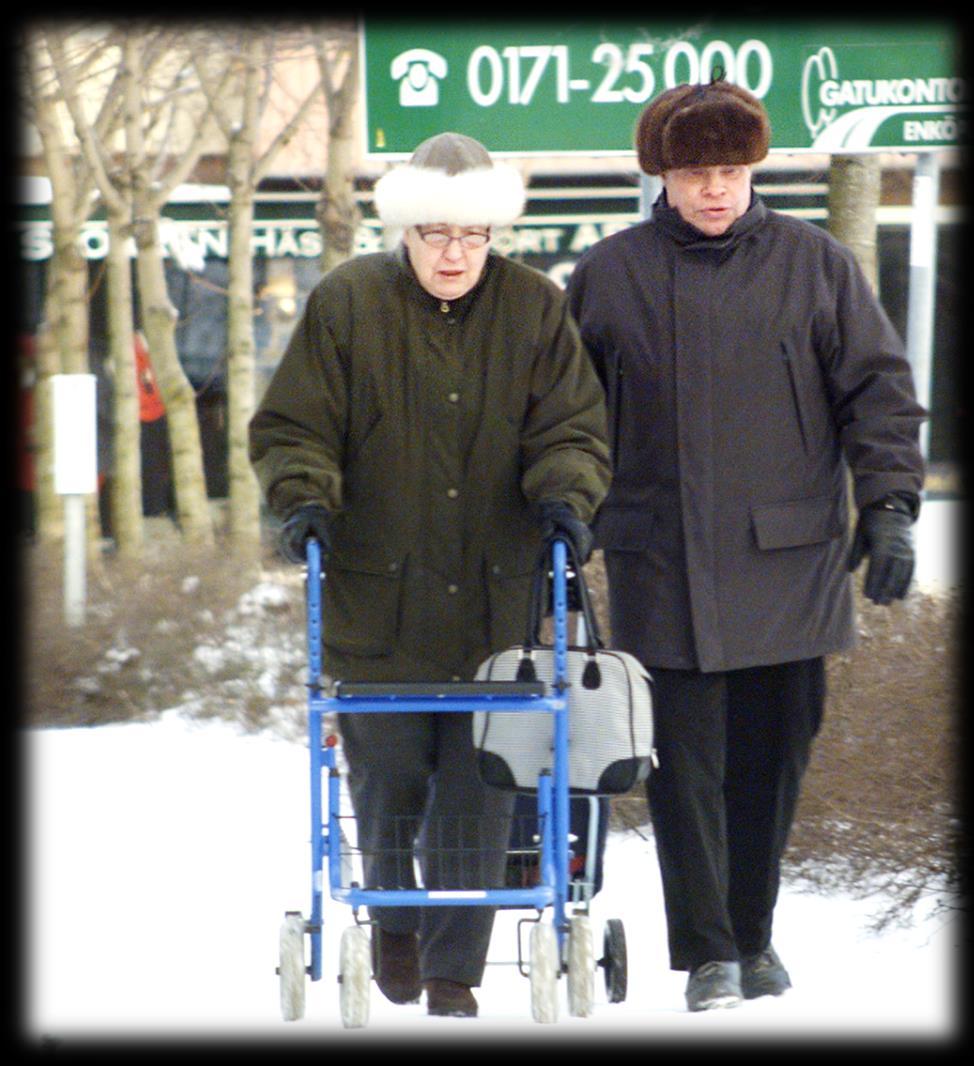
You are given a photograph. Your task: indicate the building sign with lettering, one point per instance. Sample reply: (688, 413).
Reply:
(539, 88)
(190, 244)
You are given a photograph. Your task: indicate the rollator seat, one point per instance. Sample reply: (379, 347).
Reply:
(438, 689)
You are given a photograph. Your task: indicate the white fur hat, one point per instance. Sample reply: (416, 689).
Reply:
(450, 178)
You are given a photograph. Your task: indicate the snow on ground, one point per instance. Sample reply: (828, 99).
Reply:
(161, 858)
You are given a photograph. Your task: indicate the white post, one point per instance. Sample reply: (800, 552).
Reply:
(650, 186)
(923, 280)
(75, 476)
(75, 569)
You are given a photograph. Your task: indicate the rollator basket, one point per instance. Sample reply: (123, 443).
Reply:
(610, 716)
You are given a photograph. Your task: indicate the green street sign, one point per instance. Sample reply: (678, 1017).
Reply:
(535, 88)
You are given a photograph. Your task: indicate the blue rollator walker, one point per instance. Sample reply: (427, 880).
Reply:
(560, 946)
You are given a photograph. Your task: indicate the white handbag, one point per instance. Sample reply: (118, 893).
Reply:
(610, 716)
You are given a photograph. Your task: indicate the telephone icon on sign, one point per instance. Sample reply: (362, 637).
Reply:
(418, 71)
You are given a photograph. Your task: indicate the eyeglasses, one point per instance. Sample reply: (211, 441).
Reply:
(441, 238)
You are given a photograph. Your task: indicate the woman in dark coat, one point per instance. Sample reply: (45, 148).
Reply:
(432, 420)
(748, 368)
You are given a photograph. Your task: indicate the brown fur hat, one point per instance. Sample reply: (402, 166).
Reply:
(702, 125)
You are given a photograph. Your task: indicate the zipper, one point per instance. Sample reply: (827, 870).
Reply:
(795, 394)
(617, 413)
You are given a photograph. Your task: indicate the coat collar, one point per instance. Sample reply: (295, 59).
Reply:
(434, 303)
(688, 236)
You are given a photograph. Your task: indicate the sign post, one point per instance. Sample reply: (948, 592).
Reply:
(75, 476)
(923, 282)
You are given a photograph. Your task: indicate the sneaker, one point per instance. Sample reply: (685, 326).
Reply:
(714, 984)
(449, 999)
(763, 975)
(395, 962)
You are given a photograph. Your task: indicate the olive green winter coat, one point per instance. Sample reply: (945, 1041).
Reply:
(428, 429)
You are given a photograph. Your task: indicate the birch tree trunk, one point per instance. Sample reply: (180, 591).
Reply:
(70, 329)
(63, 339)
(48, 511)
(70, 310)
(854, 189)
(126, 489)
(69, 65)
(338, 214)
(241, 374)
(158, 314)
(236, 105)
(159, 322)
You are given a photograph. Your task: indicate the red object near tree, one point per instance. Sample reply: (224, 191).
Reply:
(151, 407)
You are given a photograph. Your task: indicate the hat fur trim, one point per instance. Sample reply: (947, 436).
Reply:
(702, 125)
(484, 196)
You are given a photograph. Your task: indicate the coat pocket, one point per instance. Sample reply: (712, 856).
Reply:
(794, 523)
(360, 606)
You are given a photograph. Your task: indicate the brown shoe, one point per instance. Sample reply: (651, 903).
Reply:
(449, 999)
(395, 961)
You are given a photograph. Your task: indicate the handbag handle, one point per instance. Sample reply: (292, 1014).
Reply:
(591, 674)
(539, 597)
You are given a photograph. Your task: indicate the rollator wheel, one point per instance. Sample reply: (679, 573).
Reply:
(355, 977)
(545, 966)
(292, 968)
(615, 960)
(581, 967)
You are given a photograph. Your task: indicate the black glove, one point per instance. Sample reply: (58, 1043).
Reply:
(309, 520)
(557, 518)
(884, 533)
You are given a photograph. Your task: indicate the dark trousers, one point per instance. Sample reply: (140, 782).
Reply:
(416, 793)
(732, 750)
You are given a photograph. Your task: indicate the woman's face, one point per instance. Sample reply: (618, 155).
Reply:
(448, 260)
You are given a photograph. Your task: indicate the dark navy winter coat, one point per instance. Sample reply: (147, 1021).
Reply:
(746, 375)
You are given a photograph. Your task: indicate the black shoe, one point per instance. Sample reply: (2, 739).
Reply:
(395, 962)
(714, 984)
(763, 975)
(449, 999)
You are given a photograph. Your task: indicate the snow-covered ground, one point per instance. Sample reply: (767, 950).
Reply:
(160, 858)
